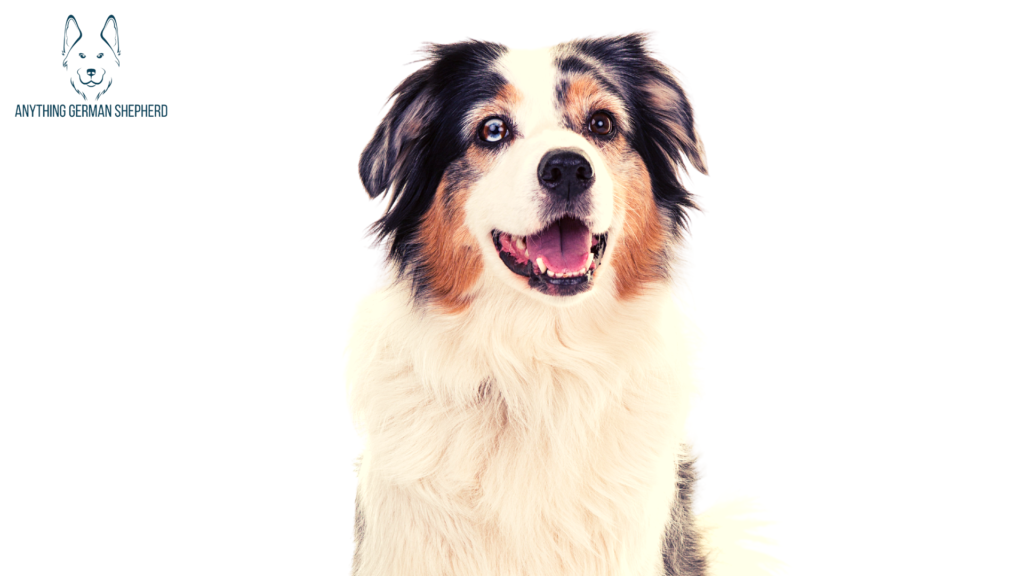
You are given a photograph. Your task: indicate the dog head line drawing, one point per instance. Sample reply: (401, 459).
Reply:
(91, 59)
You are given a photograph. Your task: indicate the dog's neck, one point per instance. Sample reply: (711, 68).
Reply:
(522, 348)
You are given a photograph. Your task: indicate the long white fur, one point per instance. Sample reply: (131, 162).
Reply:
(520, 436)
(565, 465)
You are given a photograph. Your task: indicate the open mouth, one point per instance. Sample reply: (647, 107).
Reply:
(559, 260)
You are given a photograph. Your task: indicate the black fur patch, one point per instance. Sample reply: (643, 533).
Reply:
(681, 546)
(662, 124)
(421, 136)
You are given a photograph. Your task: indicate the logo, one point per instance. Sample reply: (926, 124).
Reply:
(91, 58)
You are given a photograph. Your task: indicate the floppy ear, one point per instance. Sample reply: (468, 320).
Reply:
(405, 158)
(387, 155)
(673, 116)
(72, 34)
(109, 35)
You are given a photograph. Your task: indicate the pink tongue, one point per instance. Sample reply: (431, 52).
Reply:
(564, 245)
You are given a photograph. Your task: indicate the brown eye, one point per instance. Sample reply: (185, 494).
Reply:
(493, 130)
(601, 123)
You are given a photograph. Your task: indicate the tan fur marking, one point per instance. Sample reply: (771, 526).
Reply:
(508, 97)
(450, 255)
(661, 96)
(639, 258)
(581, 89)
(585, 96)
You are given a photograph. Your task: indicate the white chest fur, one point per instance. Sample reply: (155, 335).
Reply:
(517, 439)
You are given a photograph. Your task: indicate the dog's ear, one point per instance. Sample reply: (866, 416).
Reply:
(110, 36)
(400, 159)
(665, 132)
(673, 116)
(72, 34)
(387, 155)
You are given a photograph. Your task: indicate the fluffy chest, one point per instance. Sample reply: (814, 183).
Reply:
(583, 487)
(499, 455)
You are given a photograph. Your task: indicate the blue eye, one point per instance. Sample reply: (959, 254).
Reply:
(82, 55)
(493, 130)
(100, 55)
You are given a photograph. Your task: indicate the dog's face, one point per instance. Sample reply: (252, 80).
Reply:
(91, 58)
(554, 171)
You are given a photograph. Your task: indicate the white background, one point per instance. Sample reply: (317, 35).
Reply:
(175, 293)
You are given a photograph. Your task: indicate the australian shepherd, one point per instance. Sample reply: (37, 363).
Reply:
(521, 383)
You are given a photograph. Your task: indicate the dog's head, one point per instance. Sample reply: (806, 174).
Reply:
(554, 172)
(91, 58)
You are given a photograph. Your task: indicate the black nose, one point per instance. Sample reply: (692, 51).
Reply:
(565, 172)
(90, 71)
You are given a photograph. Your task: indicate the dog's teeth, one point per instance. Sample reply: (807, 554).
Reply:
(526, 253)
(540, 264)
(520, 243)
(590, 259)
(550, 273)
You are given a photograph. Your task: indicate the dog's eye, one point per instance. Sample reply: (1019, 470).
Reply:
(100, 55)
(601, 123)
(82, 55)
(493, 130)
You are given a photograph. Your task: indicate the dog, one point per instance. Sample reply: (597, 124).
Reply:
(521, 382)
(92, 59)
